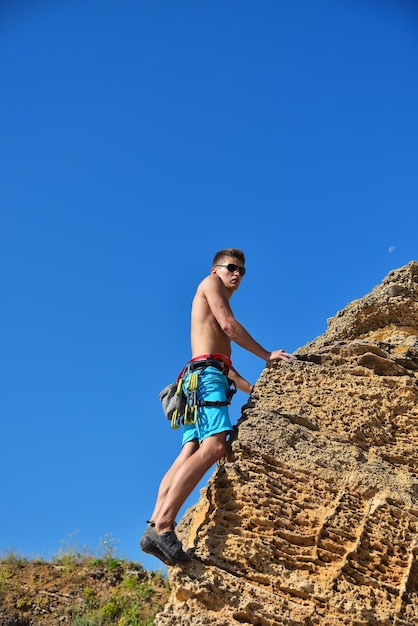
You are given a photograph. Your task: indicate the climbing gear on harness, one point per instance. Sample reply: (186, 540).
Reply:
(181, 404)
(190, 412)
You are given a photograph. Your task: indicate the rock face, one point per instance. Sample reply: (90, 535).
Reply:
(312, 517)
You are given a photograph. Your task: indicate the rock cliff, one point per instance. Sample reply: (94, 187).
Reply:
(312, 517)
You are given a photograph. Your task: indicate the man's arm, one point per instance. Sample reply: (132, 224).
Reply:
(240, 382)
(216, 296)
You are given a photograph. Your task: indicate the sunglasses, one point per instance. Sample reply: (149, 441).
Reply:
(231, 267)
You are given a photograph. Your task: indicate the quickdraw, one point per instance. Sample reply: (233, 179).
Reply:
(176, 418)
(190, 412)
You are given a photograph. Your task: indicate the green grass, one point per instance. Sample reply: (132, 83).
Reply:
(133, 596)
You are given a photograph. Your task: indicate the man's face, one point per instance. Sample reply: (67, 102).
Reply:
(229, 271)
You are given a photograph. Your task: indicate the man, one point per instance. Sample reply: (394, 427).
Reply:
(213, 327)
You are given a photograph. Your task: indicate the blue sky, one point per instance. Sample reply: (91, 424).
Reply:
(137, 139)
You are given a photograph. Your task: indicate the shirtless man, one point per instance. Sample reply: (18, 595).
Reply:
(213, 327)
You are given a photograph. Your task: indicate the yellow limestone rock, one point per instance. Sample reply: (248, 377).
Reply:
(312, 517)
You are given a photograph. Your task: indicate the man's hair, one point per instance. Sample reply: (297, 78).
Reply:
(234, 253)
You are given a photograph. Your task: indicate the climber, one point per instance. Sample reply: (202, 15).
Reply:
(213, 327)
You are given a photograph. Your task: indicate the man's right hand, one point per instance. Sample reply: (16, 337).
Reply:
(280, 354)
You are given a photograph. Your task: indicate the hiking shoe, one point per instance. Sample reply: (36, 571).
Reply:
(165, 547)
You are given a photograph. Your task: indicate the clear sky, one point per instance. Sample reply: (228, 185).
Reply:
(137, 139)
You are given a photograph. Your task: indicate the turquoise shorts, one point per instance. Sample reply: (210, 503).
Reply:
(212, 386)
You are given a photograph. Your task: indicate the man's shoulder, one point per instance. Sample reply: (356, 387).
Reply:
(211, 281)
(208, 287)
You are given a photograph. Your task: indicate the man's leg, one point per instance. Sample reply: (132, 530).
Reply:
(183, 477)
(160, 539)
(187, 450)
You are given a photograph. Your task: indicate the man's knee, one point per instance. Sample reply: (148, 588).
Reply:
(215, 449)
(219, 452)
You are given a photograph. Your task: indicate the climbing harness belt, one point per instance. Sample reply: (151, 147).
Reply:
(192, 402)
